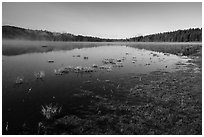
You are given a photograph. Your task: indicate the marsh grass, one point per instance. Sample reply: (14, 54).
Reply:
(39, 75)
(159, 103)
(19, 80)
(50, 111)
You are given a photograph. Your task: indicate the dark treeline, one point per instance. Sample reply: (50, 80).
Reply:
(189, 35)
(12, 32)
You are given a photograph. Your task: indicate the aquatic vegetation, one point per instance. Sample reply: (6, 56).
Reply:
(119, 60)
(109, 61)
(105, 67)
(50, 61)
(156, 103)
(159, 104)
(167, 54)
(39, 75)
(76, 56)
(154, 55)
(57, 72)
(62, 70)
(7, 126)
(147, 64)
(50, 111)
(86, 57)
(78, 69)
(40, 126)
(19, 80)
(94, 66)
(88, 69)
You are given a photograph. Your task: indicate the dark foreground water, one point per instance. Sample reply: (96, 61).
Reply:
(22, 102)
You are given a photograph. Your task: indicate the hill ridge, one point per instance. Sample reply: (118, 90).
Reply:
(186, 35)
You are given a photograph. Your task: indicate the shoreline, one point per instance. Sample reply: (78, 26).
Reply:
(156, 103)
(18, 47)
(167, 104)
(116, 42)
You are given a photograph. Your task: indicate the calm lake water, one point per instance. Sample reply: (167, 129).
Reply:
(22, 103)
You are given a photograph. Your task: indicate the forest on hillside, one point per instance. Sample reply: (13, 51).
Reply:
(190, 35)
(12, 32)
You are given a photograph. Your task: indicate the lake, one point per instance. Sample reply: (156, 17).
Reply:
(114, 65)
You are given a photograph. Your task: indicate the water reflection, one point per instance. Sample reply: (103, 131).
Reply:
(22, 103)
(10, 48)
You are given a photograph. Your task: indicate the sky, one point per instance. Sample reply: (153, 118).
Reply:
(105, 20)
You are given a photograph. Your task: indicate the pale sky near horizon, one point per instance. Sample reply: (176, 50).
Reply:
(105, 20)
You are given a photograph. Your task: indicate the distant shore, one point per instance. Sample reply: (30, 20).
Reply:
(188, 35)
(17, 47)
(33, 42)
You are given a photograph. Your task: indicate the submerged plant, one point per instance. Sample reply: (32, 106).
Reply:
(50, 111)
(57, 72)
(39, 75)
(62, 70)
(19, 80)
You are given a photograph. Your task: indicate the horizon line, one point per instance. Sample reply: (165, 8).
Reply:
(102, 37)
